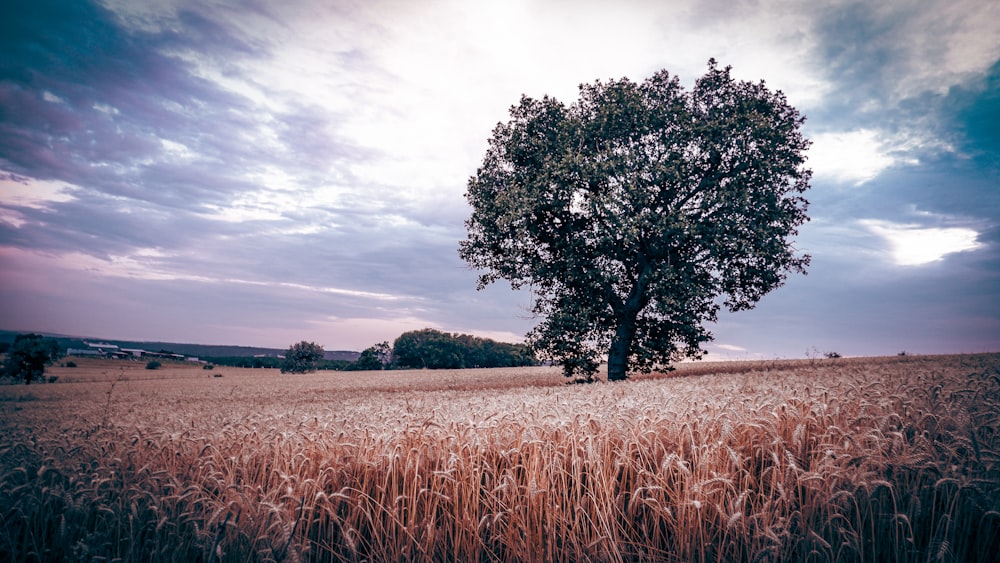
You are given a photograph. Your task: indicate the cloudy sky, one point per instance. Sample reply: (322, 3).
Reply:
(260, 173)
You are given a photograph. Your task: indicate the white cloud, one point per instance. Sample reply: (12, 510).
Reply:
(859, 156)
(177, 150)
(850, 157)
(36, 194)
(940, 44)
(52, 98)
(914, 245)
(422, 84)
(153, 264)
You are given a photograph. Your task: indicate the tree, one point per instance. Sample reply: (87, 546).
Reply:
(302, 357)
(433, 349)
(427, 348)
(630, 213)
(374, 357)
(29, 356)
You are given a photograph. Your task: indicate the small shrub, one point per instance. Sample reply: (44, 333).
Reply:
(216, 375)
(70, 364)
(208, 366)
(154, 365)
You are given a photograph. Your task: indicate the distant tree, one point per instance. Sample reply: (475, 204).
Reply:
(374, 358)
(407, 349)
(426, 348)
(384, 352)
(28, 356)
(433, 349)
(246, 361)
(630, 213)
(303, 357)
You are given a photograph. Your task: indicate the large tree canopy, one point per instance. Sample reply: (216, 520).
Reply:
(631, 212)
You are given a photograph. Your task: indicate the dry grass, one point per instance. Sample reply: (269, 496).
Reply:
(892, 459)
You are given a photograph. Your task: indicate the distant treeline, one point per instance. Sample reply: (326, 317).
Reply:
(271, 362)
(418, 349)
(197, 350)
(433, 349)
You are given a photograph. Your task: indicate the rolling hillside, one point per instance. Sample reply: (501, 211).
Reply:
(197, 350)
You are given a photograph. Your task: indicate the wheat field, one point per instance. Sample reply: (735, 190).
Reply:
(874, 459)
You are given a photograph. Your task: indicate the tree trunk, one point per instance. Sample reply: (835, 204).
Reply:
(620, 347)
(626, 314)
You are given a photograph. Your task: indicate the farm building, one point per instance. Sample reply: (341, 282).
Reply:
(100, 350)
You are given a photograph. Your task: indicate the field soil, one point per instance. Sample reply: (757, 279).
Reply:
(850, 459)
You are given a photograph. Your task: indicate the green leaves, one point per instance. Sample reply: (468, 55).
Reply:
(640, 204)
(28, 357)
(302, 357)
(433, 349)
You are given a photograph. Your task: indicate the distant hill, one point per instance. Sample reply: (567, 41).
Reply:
(198, 350)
